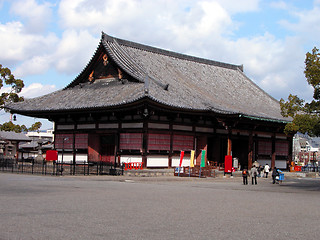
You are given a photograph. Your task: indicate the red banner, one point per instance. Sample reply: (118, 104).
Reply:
(181, 158)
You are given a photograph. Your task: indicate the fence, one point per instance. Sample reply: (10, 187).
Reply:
(56, 168)
(207, 171)
(310, 169)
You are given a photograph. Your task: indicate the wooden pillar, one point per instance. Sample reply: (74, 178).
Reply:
(273, 155)
(171, 145)
(116, 148)
(74, 154)
(250, 151)
(229, 148)
(145, 143)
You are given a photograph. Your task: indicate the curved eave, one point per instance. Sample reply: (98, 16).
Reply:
(140, 101)
(265, 119)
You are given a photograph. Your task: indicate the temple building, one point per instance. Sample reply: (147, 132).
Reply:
(138, 103)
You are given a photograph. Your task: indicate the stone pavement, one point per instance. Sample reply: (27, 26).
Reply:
(124, 207)
(218, 174)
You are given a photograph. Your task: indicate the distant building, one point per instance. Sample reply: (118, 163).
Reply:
(42, 140)
(305, 149)
(138, 103)
(9, 143)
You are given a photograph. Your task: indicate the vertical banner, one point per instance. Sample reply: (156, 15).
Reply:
(228, 164)
(181, 159)
(191, 162)
(203, 161)
(192, 159)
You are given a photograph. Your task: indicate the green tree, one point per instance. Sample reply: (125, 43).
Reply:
(15, 86)
(35, 127)
(306, 116)
(9, 126)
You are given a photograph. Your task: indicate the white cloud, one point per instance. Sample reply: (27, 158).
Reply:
(34, 66)
(306, 24)
(280, 5)
(236, 6)
(36, 15)
(36, 90)
(17, 45)
(74, 51)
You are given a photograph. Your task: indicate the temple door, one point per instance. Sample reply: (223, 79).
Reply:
(107, 148)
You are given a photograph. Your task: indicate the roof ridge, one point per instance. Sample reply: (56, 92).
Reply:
(171, 53)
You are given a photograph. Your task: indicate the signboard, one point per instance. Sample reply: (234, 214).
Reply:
(228, 164)
(52, 155)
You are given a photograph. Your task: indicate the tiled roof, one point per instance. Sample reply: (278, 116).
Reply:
(169, 78)
(13, 136)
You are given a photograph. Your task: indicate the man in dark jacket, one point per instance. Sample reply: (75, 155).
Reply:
(274, 175)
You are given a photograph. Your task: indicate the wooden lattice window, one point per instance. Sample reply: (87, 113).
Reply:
(63, 141)
(182, 143)
(158, 141)
(282, 148)
(265, 147)
(130, 141)
(81, 141)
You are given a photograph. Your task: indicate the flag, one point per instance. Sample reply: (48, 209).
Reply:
(192, 159)
(203, 156)
(181, 158)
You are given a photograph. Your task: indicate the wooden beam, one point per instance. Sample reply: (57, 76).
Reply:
(229, 148)
(273, 156)
(250, 150)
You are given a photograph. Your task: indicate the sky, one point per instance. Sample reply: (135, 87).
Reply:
(47, 43)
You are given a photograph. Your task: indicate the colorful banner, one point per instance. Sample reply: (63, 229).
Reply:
(181, 158)
(203, 158)
(192, 159)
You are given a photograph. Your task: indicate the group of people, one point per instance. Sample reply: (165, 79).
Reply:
(258, 171)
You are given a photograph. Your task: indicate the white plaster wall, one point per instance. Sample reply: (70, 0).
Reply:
(81, 157)
(176, 161)
(67, 157)
(128, 159)
(157, 161)
(282, 164)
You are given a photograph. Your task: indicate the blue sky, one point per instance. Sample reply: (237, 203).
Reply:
(48, 43)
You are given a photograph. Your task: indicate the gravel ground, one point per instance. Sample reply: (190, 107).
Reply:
(120, 207)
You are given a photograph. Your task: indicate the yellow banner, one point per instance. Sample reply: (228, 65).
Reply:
(192, 159)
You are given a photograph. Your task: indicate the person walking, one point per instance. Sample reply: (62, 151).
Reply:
(245, 176)
(266, 170)
(274, 175)
(254, 174)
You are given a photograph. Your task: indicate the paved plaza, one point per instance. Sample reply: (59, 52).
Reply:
(119, 207)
